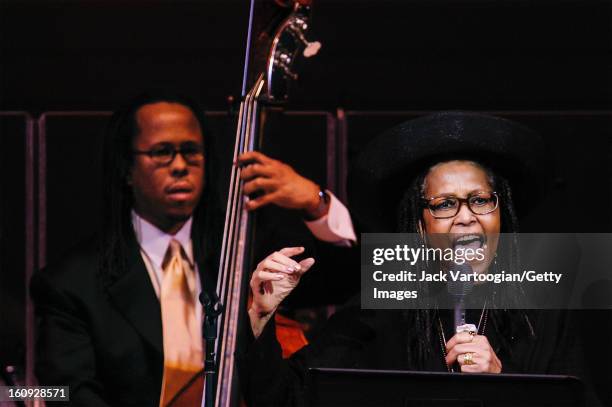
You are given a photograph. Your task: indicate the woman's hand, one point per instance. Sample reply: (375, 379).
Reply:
(272, 281)
(482, 360)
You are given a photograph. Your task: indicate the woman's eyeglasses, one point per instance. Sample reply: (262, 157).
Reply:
(444, 207)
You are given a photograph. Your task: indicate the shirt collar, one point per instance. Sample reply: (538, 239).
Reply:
(155, 242)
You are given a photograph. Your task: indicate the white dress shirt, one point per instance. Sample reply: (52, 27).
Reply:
(335, 227)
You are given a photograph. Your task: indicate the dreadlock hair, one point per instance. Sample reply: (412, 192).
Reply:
(117, 235)
(422, 321)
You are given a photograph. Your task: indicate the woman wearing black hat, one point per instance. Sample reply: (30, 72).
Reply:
(446, 173)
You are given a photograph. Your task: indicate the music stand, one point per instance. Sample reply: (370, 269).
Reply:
(352, 387)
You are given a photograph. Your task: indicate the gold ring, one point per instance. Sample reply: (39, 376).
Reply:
(468, 358)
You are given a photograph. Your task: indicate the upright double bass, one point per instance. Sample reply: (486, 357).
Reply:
(267, 76)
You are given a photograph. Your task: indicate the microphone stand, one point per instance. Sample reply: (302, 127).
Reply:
(212, 310)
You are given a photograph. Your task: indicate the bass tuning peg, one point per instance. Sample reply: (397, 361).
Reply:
(298, 27)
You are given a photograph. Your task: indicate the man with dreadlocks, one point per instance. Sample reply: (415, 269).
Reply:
(448, 173)
(119, 319)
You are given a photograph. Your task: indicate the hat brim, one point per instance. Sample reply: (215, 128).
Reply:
(389, 163)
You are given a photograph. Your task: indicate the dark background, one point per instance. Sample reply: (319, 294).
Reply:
(545, 63)
(402, 54)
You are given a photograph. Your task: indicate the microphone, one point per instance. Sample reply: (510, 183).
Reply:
(458, 290)
(212, 306)
(212, 309)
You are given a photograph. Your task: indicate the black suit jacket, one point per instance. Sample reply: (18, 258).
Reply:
(103, 342)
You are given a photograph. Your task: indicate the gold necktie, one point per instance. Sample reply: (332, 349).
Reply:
(183, 362)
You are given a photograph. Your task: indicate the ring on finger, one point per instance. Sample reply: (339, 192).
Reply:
(468, 358)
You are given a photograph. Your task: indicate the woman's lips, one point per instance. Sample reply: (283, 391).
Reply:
(472, 240)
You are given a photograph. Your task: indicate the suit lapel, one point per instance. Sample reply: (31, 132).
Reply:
(135, 298)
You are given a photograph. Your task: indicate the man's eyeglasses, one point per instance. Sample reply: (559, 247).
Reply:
(164, 154)
(444, 207)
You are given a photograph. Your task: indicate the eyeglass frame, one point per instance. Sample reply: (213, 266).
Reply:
(461, 202)
(180, 150)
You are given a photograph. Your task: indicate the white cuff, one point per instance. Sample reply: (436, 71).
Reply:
(336, 227)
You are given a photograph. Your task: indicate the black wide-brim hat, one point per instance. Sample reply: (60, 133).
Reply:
(382, 172)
